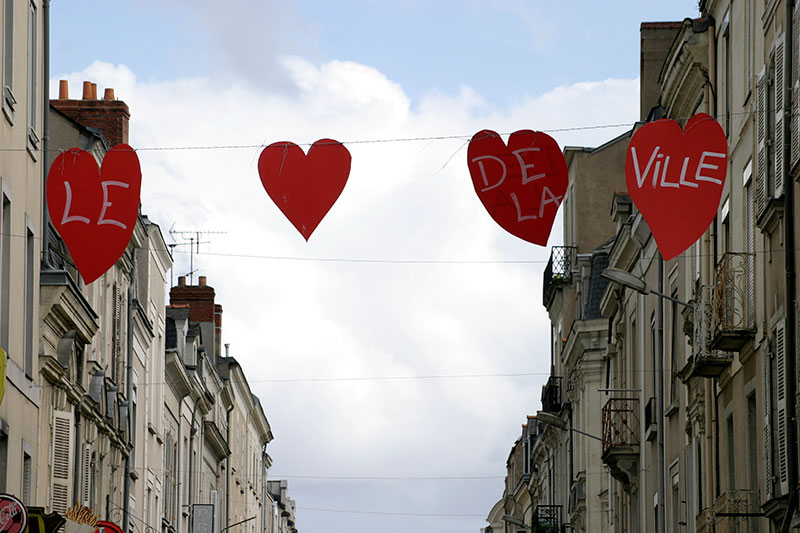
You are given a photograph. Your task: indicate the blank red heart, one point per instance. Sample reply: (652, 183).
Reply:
(304, 187)
(521, 185)
(676, 178)
(94, 210)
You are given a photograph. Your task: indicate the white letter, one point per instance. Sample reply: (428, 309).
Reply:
(553, 200)
(683, 174)
(479, 160)
(106, 203)
(75, 218)
(703, 165)
(664, 182)
(639, 176)
(520, 218)
(525, 179)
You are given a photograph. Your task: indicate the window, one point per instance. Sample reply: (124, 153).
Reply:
(8, 59)
(4, 457)
(33, 94)
(30, 304)
(27, 471)
(654, 352)
(5, 270)
(676, 504)
(726, 43)
(752, 453)
(731, 454)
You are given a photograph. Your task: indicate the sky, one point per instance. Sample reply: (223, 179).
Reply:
(399, 350)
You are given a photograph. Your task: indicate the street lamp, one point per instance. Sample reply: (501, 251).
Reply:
(626, 279)
(553, 420)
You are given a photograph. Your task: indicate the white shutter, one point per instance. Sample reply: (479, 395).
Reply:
(86, 476)
(761, 143)
(61, 478)
(779, 139)
(780, 412)
(766, 391)
(795, 118)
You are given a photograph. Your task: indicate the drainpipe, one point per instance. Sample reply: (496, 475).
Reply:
(46, 132)
(129, 392)
(789, 247)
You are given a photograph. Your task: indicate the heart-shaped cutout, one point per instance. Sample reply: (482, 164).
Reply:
(94, 210)
(521, 185)
(676, 178)
(304, 187)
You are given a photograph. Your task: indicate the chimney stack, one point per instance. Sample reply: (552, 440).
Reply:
(109, 115)
(202, 309)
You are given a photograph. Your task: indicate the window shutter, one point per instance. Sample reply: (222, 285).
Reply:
(61, 478)
(779, 139)
(86, 476)
(766, 371)
(761, 143)
(780, 390)
(795, 118)
(117, 337)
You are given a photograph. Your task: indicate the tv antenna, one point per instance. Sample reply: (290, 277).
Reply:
(192, 239)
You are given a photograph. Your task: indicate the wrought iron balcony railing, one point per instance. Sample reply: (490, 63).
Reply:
(733, 313)
(547, 518)
(705, 361)
(551, 395)
(620, 423)
(558, 271)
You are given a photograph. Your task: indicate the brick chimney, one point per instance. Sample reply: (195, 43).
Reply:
(108, 115)
(202, 309)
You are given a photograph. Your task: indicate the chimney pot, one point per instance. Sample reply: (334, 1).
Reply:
(201, 280)
(94, 91)
(63, 90)
(109, 94)
(181, 281)
(87, 90)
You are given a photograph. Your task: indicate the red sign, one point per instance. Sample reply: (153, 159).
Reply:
(13, 515)
(94, 210)
(304, 187)
(676, 178)
(104, 526)
(521, 185)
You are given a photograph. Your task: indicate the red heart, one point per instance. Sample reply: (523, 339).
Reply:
(676, 178)
(521, 185)
(94, 211)
(304, 187)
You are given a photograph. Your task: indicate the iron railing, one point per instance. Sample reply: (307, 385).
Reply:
(547, 518)
(551, 395)
(620, 423)
(558, 271)
(706, 361)
(733, 316)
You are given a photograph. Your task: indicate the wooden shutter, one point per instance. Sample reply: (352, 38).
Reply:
(780, 412)
(766, 392)
(86, 476)
(761, 143)
(61, 478)
(779, 138)
(795, 118)
(116, 353)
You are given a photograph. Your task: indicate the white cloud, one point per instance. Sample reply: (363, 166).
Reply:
(408, 200)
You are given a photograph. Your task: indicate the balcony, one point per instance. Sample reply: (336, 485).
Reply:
(733, 313)
(558, 271)
(621, 439)
(547, 519)
(735, 510)
(551, 395)
(704, 522)
(704, 362)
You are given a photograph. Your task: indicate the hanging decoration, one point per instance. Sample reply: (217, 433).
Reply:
(676, 177)
(94, 210)
(304, 187)
(521, 185)
(13, 514)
